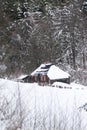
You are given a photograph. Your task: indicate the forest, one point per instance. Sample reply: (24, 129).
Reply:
(36, 31)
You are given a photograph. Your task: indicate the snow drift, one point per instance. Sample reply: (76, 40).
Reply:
(25, 106)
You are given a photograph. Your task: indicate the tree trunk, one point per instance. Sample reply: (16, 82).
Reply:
(84, 60)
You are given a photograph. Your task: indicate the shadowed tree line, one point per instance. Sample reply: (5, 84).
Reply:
(32, 32)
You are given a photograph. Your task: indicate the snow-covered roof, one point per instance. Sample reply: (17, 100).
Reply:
(22, 77)
(52, 71)
(42, 69)
(56, 73)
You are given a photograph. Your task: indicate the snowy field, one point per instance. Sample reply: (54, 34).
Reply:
(25, 106)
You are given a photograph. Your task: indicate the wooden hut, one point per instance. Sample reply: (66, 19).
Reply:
(40, 74)
(48, 73)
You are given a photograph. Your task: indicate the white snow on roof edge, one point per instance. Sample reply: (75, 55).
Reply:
(22, 76)
(56, 73)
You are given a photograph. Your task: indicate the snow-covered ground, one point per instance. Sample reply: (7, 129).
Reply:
(25, 106)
